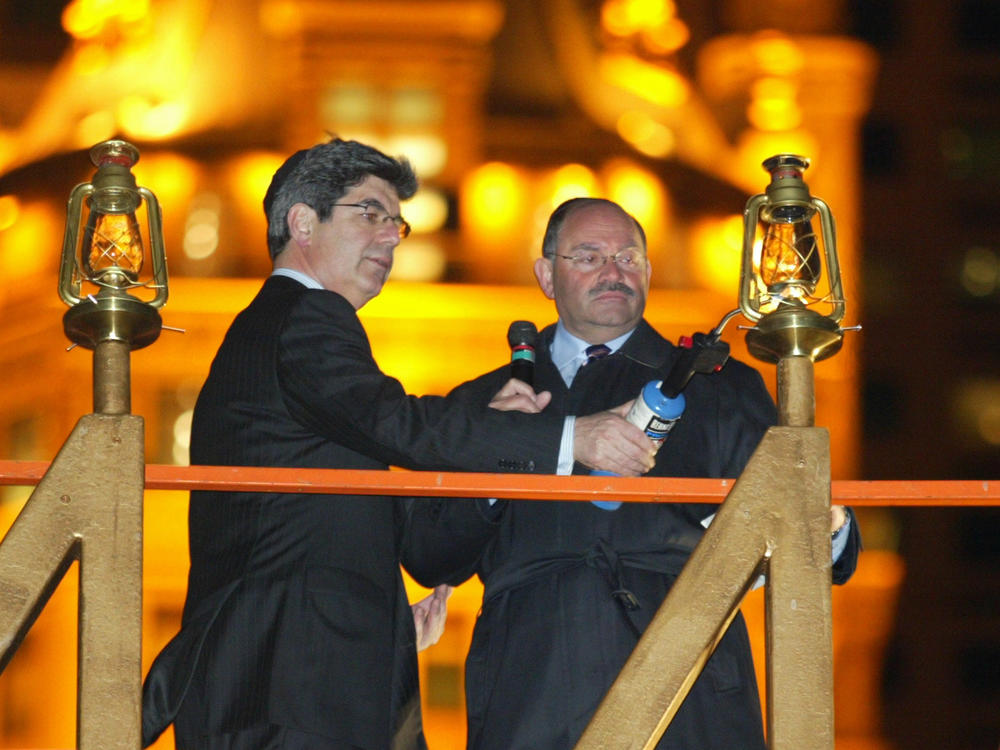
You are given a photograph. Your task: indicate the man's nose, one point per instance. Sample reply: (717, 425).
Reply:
(388, 232)
(610, 269)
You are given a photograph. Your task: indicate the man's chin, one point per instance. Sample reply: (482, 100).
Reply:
(378, 275)
(376, 289)
(371, 290)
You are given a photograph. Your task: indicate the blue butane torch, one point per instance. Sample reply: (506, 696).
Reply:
(661, 402)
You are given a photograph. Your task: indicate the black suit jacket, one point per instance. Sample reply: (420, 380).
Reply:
(554, 630)
(296, 628)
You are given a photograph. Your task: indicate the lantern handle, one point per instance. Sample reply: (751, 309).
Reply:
(69, 272)
(829, 229)
(751, 215)
(156, 249)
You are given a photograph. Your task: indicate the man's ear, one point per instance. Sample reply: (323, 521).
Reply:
(301, 222)
(543, 274)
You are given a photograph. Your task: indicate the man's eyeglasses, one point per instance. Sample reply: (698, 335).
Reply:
(591, 260)
(376, 215)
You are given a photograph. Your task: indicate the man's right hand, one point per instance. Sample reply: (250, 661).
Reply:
(605, 441)
(517, 395)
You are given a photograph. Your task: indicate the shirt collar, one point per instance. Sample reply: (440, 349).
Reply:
(567, 350)
(307, 281)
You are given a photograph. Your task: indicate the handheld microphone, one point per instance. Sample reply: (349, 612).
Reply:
(522, 337)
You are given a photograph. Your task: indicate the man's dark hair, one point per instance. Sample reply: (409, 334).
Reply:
(319, 177)
(559, 216)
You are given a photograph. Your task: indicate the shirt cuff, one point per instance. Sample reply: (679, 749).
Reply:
(840, 538)
(565, 465)
(492, 509)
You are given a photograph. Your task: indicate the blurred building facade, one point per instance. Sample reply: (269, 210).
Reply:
(507, 108)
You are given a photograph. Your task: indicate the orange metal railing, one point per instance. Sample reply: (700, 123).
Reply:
(84, 489)
(857, 493)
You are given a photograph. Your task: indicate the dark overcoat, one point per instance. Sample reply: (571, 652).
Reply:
(555, 627)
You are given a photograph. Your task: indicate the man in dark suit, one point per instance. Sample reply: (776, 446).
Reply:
(569, 587)
(296, 630)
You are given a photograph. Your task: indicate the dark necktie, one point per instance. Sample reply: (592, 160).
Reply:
(595, 352)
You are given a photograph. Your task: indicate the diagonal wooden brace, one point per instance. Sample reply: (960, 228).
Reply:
(776, 519)
(87, 507)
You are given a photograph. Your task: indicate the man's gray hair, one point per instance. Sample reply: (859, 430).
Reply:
(321, 175)
(562, 212)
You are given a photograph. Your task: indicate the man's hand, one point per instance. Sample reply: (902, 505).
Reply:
(605, 441)
(838, 517)
(429, 615)
(516, 395)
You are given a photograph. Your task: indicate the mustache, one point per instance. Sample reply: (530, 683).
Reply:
(613, 286)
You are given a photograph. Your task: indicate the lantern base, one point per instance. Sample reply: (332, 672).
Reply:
(112, 317)
(794, 332)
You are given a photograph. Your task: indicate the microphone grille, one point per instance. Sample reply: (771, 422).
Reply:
(522, 333)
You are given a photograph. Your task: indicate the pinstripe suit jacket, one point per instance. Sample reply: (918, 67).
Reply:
(296, 629)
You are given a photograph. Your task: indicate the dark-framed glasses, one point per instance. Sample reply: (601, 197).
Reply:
(591, 260)
(376, 215)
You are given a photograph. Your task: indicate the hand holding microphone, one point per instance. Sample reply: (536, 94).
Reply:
(598, 439)
(518, 393)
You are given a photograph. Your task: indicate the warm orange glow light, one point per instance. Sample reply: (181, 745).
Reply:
(201, 229)
(96, 127)
(426, 211)
(774, 105)
(625, 17)
(174, 176)
(428, 153)
(717, 248)
(348, 104)
(774, 114)
(90, 59)
(182, 437)
(638, 191)
(248, 178)
(10, 209)
(418, 260)
(980, 271)
(280, 17)
(416, 108)
(646, 134)
(667, 38)
(79, 23)
(659, 85)
(140, 118)
(112, 247)
(776, 54)
(26, 243)
(493, 197)
(790, 260)
(86, 19)
(571, 181)
(976, 409)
